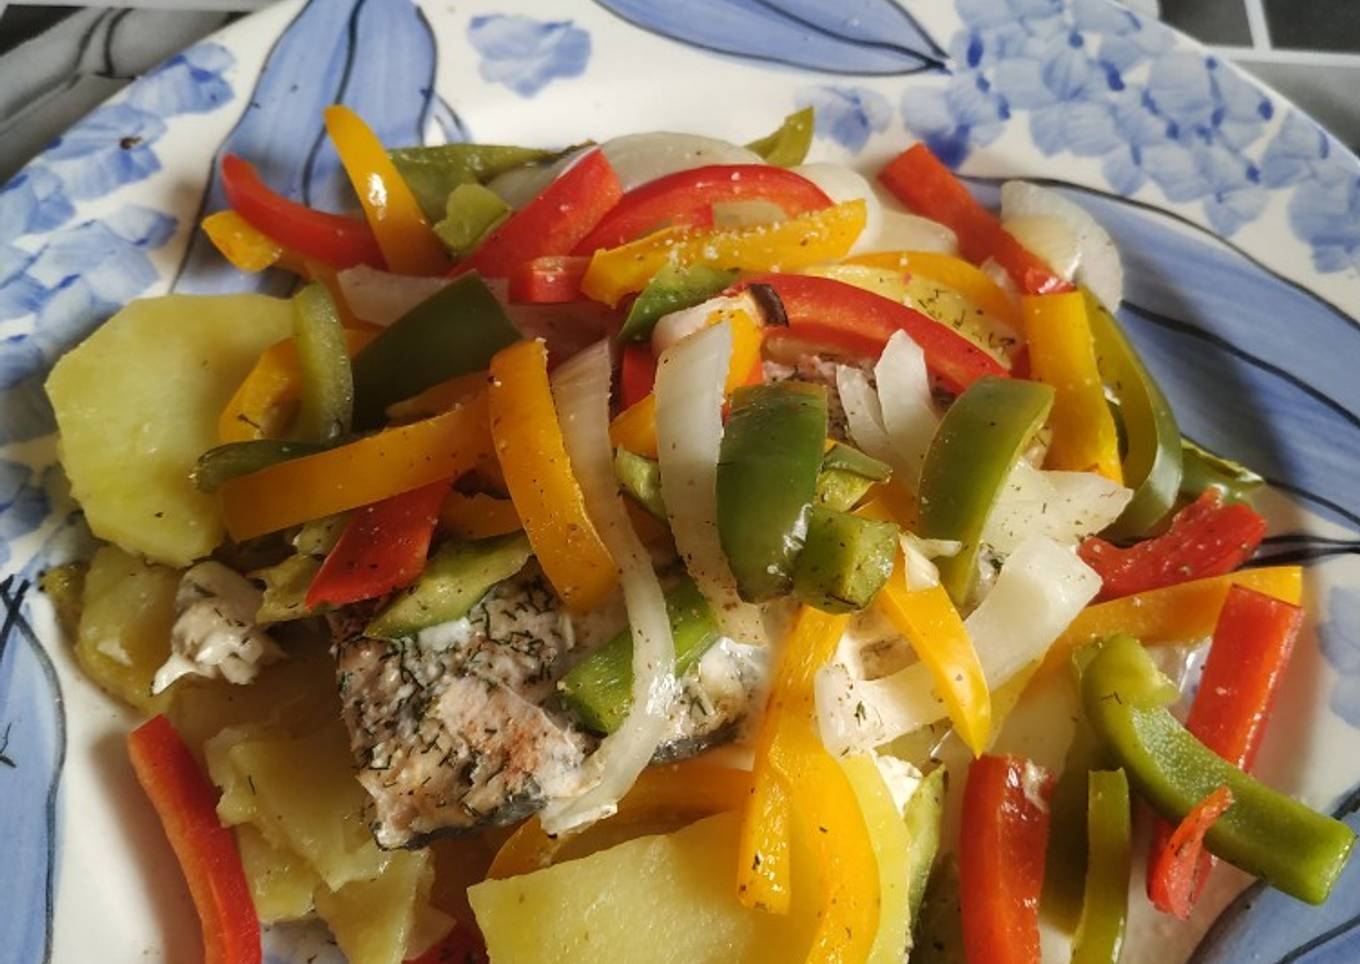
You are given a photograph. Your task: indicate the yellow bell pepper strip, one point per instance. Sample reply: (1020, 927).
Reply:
(944, 269)
(436, 398)
(478, 516)
(1062, 354)
(824, 235)
(1173, 614)
(635, 427)
(256, 409)
(927, 619)
(362, 472)
(407, 243)
(692, 787)
(528, 443)
(891, 836)
(791, 762)
(247, 248)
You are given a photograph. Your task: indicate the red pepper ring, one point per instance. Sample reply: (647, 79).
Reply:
(687, 198)
(824, 311)
(1174, 877)
(383, 547)
(340, 241)
(187, 806)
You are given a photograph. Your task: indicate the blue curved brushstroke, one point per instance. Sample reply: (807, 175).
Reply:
(32, 753)
(1240, 353)
(1265, 925)
(868, 37)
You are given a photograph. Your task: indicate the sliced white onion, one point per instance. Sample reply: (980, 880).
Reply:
(567, 328)
(689, 431)
(920, 555)
(380, 297)
(581, 393)
(863, 413)
(1000, 277)
(1099, 269)
(520, 185)
(842, 184)
(679, 325)
(911, 232)
(1052, 239)
(1063, 506)
(905, 404)
(639, 158)
(1040, 590)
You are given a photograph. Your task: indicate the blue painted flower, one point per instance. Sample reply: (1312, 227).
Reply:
(188, 83)
(1325, 207)
(526, 54)
(1339, 638)
(966, 112)
(847, 115)
(32, 201)
(106, 150)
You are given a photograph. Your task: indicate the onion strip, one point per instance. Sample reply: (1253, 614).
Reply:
(581, 393)
(905, 404)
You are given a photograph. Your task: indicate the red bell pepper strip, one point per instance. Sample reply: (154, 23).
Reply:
(636, 375)
(1175, 874)
(550, 280)
(552, 223)
(839, 315)
(332, 238)
(187, 806)
(1252, 643)
(918, 179)
(1001, 859)
(687, 198)
(1206, 538)
(461, 946)
(383, 547)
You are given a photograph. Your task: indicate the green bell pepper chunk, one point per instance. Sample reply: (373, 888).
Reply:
(977, 444)
(218, 466)
(471, 213)
(327, 388)
(845, 560)
(767, 480)
(600, 688)
(673, 288)
(847, 474)
(1202, 469)
(641, 479)
(924, 816)
(455, 579)
(847, 458)
(1265, 833)
(432, 173)
(453, 332)
(1152, 457)
(787, 146)
(1105, 909)
(937, 931)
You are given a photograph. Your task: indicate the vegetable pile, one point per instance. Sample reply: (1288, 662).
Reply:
(633, 552)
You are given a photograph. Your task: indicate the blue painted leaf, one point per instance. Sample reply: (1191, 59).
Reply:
(1256, 367)
(835, 38)
(526, 54)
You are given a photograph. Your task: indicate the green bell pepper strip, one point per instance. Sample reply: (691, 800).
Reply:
(1152, 457)
(641, 479)
(847, 474)
(1265, 833)
(1202, 469)
(924, 816)
(599, 689)
(327, 383)
(220, 465)
(673, 288)
(1105, 908)
(453, 332)
(847, 458)
(937, 930)
(472, 212)
(788, 145)
(977, 444)
(845, 560)
(432, 173)
(767, 480)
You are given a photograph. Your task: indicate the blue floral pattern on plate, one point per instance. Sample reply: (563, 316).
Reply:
(847, 115)
(526, 54)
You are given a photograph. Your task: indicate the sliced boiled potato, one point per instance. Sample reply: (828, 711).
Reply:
(137, 403)
(123, 637)
(387, 920)
(661, 899)
(301, 794)
(281, 883)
